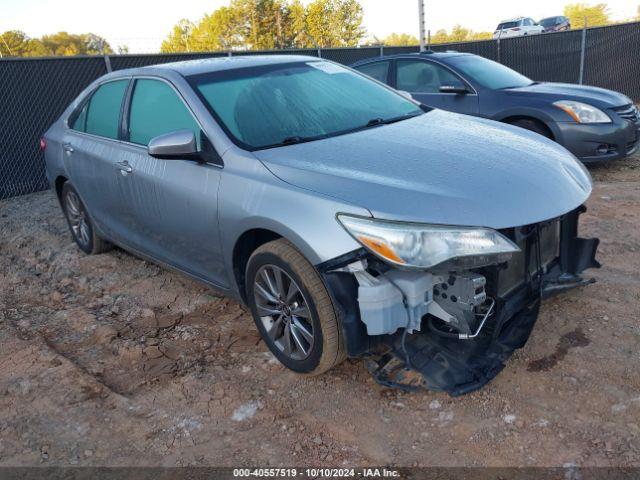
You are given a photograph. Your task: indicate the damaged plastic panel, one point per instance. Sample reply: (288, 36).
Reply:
(400, 299)
(458, 328)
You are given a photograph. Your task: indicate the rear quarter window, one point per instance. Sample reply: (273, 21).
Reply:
(79, 119)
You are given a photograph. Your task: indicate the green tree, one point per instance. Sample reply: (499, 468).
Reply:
(349, 19)
(295, 27)
(179, 38)
(400, 40)
(64, 43)
(270, 24)
(334, 23)
(595, 15)
(15, 43)
(441, 36)
(224, 29)
(267, 21)
(459, 34)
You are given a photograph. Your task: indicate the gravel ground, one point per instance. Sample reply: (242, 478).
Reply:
(110, 360)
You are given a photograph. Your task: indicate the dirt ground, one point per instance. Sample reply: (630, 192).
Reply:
(110, 360)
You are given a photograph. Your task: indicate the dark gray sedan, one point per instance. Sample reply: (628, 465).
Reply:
(593, 123)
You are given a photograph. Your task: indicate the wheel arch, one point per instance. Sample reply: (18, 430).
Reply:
(313, 239)
(58, 184)
(247, 243)
(514, 118)
(535, 112)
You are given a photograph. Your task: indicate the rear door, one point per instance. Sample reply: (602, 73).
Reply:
(423, 79)
(91, 148)
(174, 203)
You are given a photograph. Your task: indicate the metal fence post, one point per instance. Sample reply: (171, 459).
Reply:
(421, 27)
(499, 60)
(107, 63)
(583, 48)
(319, 53)
(382, 50)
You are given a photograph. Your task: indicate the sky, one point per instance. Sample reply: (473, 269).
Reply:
(142, 24)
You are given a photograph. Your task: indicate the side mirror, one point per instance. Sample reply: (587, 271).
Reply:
(459, 90)
(405, 94)
(178, 145)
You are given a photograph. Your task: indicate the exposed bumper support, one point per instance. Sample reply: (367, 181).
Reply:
(455, 365)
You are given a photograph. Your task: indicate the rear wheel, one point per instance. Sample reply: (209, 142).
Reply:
(533, 125)
(80, 223)
(292, 309)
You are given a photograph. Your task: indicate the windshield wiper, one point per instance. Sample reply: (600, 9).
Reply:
(406, 116)
(381, 121)
(375, 121)
(295, 139)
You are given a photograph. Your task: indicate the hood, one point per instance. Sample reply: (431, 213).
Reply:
(599, 97)
(441, 168)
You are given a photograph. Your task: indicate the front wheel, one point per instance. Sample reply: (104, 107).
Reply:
(292, 309)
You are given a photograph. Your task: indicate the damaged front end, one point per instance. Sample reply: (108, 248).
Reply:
(455, 326)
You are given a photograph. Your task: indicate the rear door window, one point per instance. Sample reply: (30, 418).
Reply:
(378, 70)
(420, 76)
(103, 113)
(157, 109)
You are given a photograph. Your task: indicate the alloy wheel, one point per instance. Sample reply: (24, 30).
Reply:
(284, 312)
(77, 218)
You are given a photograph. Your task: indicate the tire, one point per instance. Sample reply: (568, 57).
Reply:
(80, 223)
(533, 126)
(292, 322)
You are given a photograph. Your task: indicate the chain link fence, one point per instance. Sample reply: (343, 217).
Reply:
(34, 92)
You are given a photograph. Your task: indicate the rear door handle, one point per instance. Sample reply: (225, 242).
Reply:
(124, 167)
(67, 147)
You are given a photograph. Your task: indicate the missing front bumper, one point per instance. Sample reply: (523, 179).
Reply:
(460, 366)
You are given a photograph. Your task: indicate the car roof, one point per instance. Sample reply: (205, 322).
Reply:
(425, 55)
(217, 64)
(516, 19)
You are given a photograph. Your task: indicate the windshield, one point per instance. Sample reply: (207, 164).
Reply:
(488, 73)
(281, 104)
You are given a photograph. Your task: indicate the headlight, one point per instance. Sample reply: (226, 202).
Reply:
(414, 245)
(582, 112)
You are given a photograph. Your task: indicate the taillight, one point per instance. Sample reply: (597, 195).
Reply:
(43, 144)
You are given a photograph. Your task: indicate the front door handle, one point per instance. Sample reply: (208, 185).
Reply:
(124, 167)
(67, 147)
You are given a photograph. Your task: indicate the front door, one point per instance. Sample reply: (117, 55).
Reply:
(174, 202)
(423, 79)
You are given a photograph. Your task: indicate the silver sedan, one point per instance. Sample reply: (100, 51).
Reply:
(352, 220)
